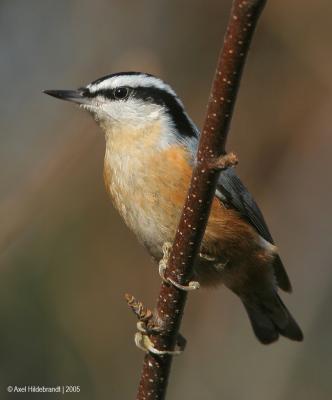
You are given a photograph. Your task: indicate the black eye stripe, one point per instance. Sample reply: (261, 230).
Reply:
(120, 93)
(86, 92)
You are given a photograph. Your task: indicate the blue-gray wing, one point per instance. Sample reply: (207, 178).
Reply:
(232, 192)
(235, 194)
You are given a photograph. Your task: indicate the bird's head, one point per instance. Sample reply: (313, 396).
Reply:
(133, 100)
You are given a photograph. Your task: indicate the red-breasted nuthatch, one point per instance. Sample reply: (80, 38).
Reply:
(151, 145)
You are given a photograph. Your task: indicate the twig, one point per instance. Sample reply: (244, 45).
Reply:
(211, 159)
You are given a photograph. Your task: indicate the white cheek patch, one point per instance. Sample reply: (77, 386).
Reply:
(131, 110)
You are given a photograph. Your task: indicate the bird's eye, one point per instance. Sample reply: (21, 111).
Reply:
(121, 93)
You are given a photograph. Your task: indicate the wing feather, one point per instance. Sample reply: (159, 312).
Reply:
(232, 192)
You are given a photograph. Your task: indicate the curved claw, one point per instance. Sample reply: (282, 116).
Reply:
(144, 343)
(192, 285)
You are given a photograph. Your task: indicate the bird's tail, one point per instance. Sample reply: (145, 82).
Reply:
(270, 318)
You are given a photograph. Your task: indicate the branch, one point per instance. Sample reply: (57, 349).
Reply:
(211, 158)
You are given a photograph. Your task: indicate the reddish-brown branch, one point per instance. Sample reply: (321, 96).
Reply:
(210, 160)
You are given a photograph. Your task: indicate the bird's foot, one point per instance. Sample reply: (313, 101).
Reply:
(192, 285)
(143, 342)
(218, 266)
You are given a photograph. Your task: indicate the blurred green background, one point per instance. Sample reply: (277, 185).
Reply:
(66, 257)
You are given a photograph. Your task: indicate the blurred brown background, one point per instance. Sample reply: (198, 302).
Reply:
(66, 257)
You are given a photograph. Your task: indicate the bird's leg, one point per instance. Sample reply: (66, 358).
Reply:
(192, 285)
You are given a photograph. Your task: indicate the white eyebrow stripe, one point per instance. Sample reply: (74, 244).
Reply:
(131, 81)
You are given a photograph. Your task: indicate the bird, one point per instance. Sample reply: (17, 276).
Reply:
(151, 145)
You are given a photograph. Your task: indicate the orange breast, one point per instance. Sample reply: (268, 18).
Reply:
(152, 202)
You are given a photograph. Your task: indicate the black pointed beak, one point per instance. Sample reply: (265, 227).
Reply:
(75, 96)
